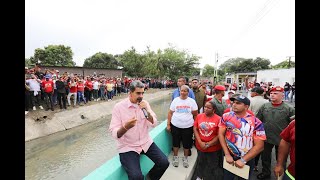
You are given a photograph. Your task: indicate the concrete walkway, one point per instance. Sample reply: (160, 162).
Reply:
(65, 120)
(180, 172)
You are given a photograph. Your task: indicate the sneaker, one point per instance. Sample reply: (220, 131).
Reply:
(40, 107)
(185, 162)
(26, 112)
(34, 108)
(175, 161)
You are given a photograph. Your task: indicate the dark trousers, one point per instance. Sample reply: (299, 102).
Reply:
(88, 94)
(26, 101)
(48, 99)
(209, 165)
(35, 100)
(131, 163)
(256, 159)
(62, 97)
(266, 158)
(230, 176)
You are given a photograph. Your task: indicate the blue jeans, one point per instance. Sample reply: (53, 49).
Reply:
(230, 176)
(131, 163)
(80, 96)
(286, 93)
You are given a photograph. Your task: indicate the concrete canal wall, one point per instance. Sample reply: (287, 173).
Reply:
(65, 120)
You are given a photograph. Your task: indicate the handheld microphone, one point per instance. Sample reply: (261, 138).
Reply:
(139, 99)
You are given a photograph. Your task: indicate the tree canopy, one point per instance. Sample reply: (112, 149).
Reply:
(237, 65)
(53, 55)
(101, 60)
(208, 71)
(284, 64)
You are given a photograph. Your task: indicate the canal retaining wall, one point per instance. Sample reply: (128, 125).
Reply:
(67, 119)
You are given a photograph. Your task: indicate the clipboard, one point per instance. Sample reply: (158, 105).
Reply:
(242, 172)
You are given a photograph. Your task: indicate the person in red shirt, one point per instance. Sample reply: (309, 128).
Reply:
(209, 159)
(72, 91)
(47, 86)
(230, 93)
(88, 89)
(287, 143)
(80, 92)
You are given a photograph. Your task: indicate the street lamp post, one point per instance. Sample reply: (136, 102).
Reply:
(215, 74)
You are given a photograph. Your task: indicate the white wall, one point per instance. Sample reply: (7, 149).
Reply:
(278, 77)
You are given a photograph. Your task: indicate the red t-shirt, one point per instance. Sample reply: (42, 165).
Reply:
(73, 89)
(288, 134)
(248, 111)
(80, 87)
(47, 86)
(228, 102)
(89, 85)
(208, 129)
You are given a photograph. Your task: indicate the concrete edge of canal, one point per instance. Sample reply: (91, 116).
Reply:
(75, 117)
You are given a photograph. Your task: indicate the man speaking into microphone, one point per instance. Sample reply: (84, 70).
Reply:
(131, 119)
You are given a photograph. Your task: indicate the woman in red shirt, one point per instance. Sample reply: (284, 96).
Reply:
(205, 129)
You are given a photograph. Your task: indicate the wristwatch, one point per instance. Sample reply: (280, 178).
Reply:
(242, 160)
(207, 145)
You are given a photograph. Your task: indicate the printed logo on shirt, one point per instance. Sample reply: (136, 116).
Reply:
(183, 109)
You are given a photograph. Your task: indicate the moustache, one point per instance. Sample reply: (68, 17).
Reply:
(139, 99)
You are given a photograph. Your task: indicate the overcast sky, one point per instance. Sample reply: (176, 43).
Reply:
(232, 28)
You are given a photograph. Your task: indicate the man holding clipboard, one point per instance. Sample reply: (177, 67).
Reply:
(242, 137)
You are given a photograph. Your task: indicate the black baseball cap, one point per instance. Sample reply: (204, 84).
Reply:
(242, 99)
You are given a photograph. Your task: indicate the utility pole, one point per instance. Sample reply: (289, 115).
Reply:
(289, 65)
(215, 68)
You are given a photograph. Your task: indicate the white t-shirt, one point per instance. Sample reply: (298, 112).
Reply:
(96, 85)
(33, 84)
(182, 116)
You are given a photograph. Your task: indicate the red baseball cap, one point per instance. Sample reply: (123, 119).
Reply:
(219, 87)
(277, 88)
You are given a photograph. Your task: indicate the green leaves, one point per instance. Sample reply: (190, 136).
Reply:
(101, 60)
(54, 55)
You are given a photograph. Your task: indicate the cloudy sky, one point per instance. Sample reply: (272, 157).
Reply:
(232, 28)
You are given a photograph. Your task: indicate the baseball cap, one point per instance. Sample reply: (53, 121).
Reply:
(232, 91)
(277, 88)
(257, 89)
(219, 87)
(241, 98)
(48, 76)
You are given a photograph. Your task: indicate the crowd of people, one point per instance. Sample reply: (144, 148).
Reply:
(237, 130)
(45, 89)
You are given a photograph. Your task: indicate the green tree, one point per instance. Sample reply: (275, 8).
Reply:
(101, 60)
(284, 64)
(261, 63)
(179, 63)
(208, 71)
(169, 62)
(27, 62)
(237, 65)
(133, 63)
(54, 55)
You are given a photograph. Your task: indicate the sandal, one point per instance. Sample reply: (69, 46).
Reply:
(263, 176)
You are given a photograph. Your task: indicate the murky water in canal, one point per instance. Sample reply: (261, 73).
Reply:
(74, 153)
